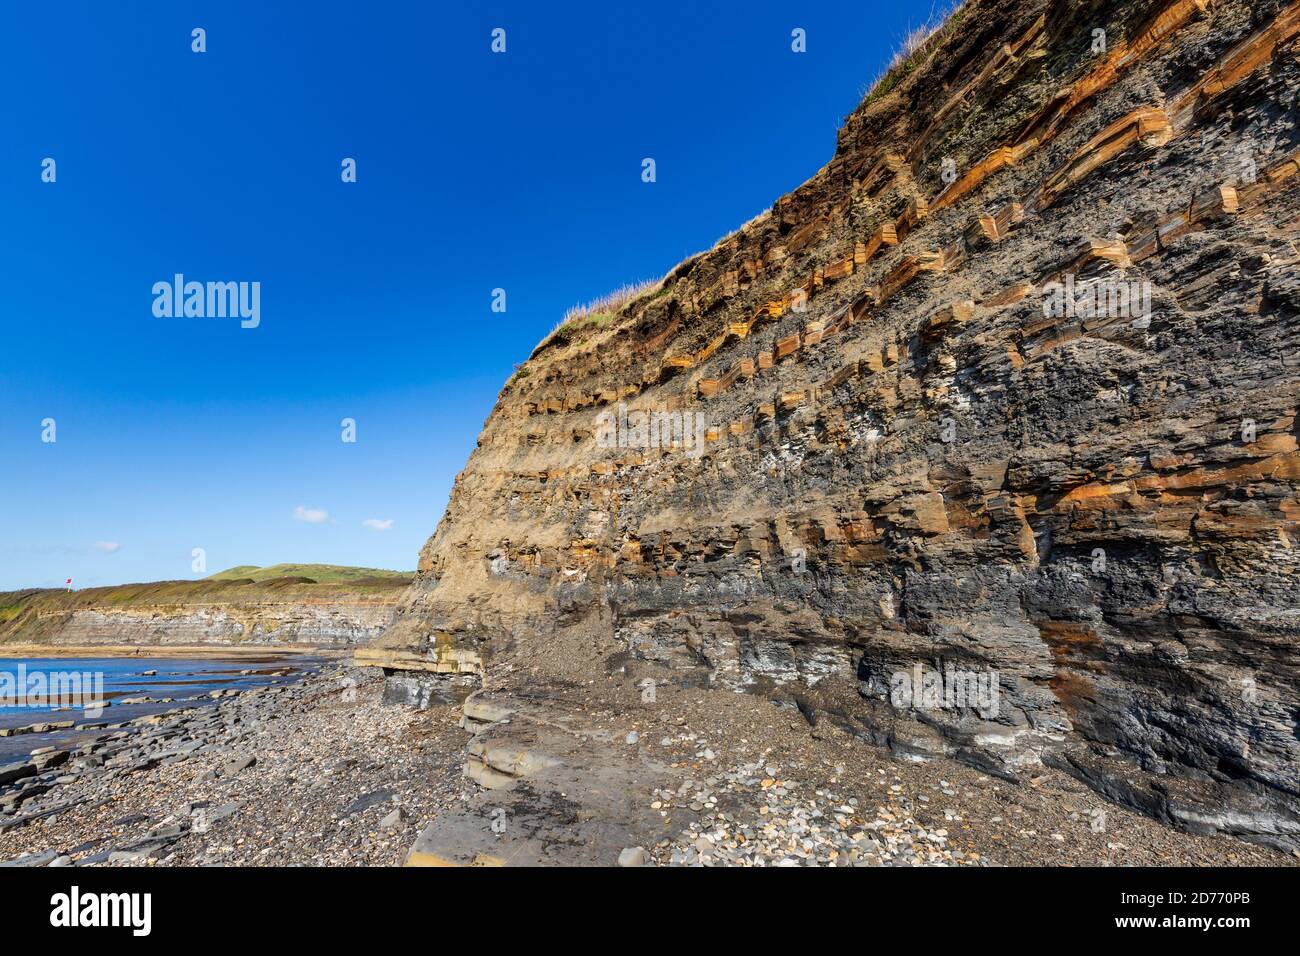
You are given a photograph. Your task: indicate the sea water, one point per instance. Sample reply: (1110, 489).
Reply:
(91, 690)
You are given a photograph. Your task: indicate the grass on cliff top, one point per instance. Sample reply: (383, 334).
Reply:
(320, 573)
(919, 43)
(601, 312)
(914, 49)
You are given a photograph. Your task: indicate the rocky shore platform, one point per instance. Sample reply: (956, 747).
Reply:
(320, 772)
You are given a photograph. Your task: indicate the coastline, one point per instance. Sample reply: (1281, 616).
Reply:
(204, 651)
(121, 692)
(311, 771)
(317, 771)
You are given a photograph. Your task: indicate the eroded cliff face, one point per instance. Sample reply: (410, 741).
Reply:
(338, 624)
(1006, 393)
(185, 613)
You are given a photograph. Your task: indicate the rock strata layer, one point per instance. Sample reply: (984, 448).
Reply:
(982, 443)
(294, 611)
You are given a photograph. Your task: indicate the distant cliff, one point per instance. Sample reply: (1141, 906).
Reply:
(223, 610)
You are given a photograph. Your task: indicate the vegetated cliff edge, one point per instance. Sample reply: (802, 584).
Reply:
(253, 610)
(909, 462)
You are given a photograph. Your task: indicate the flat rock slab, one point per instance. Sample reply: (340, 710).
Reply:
(36, 859)
(51, 759)
(578, 798)
(211, 816)
(237, 765)
(16, 771)
(365, 802)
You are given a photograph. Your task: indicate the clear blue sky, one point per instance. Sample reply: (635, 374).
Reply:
(475, 171)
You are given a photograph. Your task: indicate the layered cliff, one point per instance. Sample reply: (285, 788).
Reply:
(981, 443)
(253, 610)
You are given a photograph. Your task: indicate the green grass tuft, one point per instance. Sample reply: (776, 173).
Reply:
(916, 49)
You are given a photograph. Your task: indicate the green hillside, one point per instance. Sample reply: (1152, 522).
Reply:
(321, 573)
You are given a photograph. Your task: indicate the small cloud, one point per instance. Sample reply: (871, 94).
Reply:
(108, 547)
(311, 515)
(377, 524)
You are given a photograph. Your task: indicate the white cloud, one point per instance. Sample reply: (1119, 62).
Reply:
(377, 524)
(311, 515)
(108, 547)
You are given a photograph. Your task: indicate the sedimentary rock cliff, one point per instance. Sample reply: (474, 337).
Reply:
(228, 612)
(1003, 398)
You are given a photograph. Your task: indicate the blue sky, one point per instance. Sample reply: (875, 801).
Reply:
(475, 171)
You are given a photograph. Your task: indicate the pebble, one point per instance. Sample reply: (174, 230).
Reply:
(633, 856)
(782, 825)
